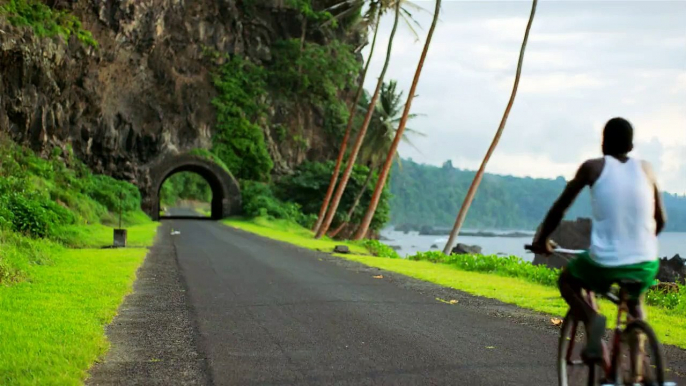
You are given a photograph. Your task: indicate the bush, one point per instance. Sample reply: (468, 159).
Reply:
(505, 266)
(308, 184)
(113, 193)
(380, 249)
(259, 201)
(45, 21)
(39, 196)
(28, 211)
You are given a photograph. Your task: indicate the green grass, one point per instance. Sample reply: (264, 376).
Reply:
(668, 324)
(52, 326)
(98, 236)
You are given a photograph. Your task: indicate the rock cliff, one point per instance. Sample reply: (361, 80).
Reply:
(147, 89)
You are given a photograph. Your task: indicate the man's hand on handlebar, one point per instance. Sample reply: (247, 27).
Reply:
(542, 247)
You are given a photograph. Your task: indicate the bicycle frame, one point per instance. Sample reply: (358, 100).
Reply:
(609, 363)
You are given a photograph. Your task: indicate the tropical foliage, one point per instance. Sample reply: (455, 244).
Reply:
(46, 21)
(431, 195)
(185, 186)
(307, 187)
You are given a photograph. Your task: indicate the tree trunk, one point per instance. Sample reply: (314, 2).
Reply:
(346, 136)
(355, 203)
(479, 175)
(367, 220)
(360, 135)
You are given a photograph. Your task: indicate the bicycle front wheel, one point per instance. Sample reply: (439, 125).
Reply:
(571, 369)
(640, 360)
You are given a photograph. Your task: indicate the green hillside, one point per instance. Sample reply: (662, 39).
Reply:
(432, 195)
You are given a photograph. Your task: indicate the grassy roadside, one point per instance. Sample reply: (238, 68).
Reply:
(668, 325)
(52, 323)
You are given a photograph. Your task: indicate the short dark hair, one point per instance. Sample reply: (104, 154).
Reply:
(618, 137)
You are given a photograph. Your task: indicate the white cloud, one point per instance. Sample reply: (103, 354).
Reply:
(586, 62)
(557, 83)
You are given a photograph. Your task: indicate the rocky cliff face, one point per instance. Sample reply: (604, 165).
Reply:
(147, 90)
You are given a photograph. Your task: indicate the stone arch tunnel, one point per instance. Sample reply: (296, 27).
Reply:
(226, 194)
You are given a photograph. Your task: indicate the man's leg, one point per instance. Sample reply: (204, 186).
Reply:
(570, 288)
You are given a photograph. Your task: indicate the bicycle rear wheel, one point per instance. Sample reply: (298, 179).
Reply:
(640, 360)
(571, 369)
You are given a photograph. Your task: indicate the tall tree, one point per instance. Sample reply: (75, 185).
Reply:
(367, 219)
(376, 9)
(384, 124)
(480, 173)
(376, 12)
(360, 135)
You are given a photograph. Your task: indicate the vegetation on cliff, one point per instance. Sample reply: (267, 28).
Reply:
(301, 73)
(431, 195)
(45, 21)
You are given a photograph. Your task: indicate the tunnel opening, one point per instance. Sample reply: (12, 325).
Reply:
(195, 170)
(186, 194)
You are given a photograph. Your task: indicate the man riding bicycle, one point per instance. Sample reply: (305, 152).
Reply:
(628, 214)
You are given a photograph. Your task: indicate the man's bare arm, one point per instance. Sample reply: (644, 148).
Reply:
(660, 212)
(566, 199)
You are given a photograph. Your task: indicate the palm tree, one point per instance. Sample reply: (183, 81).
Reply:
(374, 202)
(375, 13)
(371, 18)
(360, 135)
(387, 114)
(479, 175)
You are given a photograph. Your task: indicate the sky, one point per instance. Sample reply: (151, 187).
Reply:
(586, 62)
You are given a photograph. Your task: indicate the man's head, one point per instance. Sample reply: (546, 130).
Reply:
(618, 137)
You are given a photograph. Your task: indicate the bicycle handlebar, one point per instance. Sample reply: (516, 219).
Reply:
(530, 248)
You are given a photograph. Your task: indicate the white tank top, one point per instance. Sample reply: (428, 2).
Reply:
(623, 201)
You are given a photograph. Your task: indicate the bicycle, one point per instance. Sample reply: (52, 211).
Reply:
(639, 367)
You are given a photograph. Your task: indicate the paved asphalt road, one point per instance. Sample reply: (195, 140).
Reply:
(270, 313)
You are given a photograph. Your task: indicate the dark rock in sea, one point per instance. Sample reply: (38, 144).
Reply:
(434, 246)
(672, 270)
(341, 249)
(395, 247)
(384, 238)
(464, 249)
(427, 230)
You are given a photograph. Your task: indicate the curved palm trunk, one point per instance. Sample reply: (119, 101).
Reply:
(358, 197)
(360, 135)
(346, 136)
(364, 226)
(479, 175)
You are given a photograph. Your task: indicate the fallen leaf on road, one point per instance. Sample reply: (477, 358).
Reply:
(446, 301)
(453, 301)
(378, 277)
(556, 321)
(489, 347)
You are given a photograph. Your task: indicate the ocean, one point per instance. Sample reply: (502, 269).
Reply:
(671, 243)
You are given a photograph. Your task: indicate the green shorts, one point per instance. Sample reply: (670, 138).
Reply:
(599, 278)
